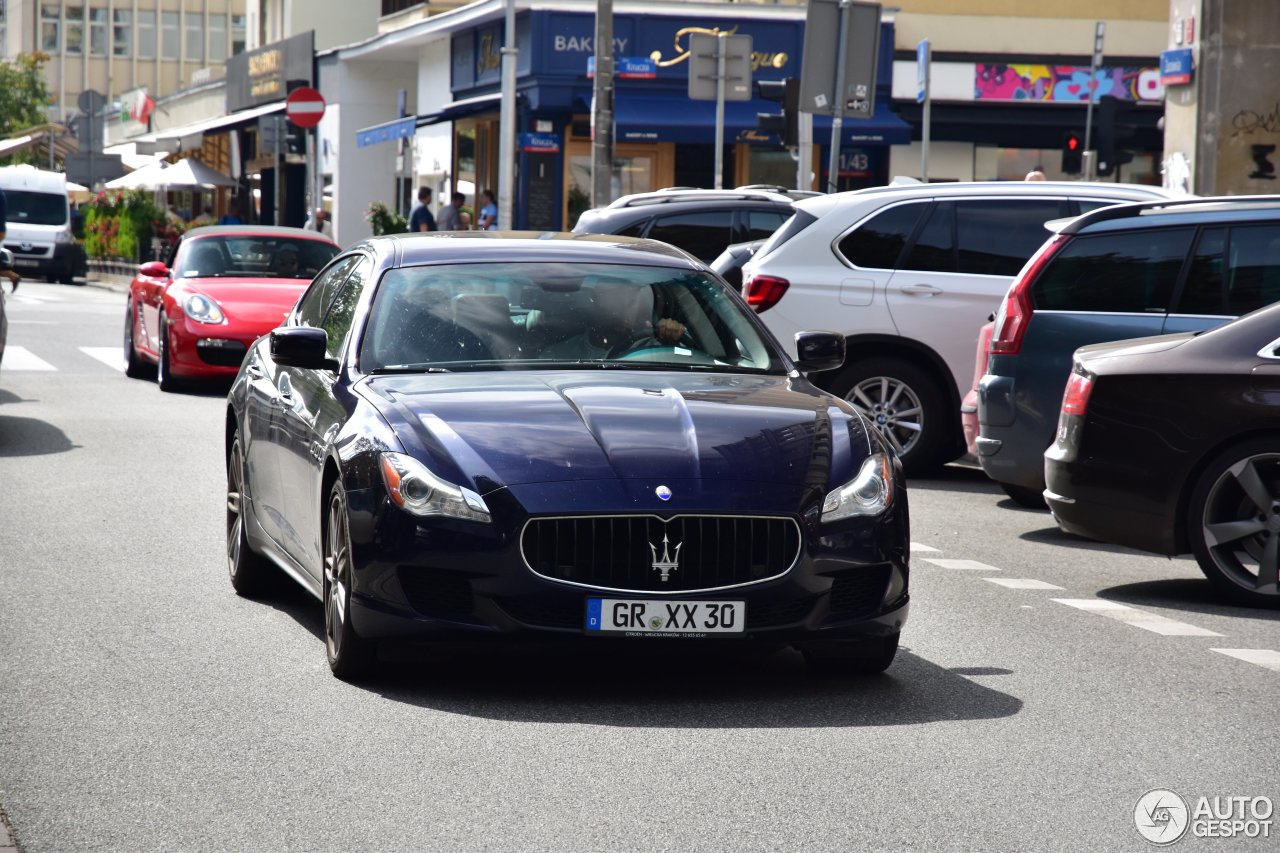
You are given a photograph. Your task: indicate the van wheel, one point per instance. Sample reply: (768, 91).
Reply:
(904, 403)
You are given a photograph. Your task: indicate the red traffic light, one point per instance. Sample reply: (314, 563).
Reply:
(1073, 142)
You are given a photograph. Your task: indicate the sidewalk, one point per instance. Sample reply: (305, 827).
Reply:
(105, 281)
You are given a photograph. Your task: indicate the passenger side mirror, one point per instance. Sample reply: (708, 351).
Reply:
(301, 346)
(154, 269)
(818, 351)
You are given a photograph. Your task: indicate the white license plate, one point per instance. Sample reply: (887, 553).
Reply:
(25, 262)
(649, 617)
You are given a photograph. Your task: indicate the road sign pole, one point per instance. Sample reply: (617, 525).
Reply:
(1099, 32)
(278, 121)
(924, 74)
(804, 151)
(720, 74)
(837, 103)
(602, 112)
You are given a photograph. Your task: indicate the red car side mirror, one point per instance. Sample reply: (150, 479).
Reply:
(154, 269)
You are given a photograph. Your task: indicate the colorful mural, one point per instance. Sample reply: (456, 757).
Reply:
(1060, 83)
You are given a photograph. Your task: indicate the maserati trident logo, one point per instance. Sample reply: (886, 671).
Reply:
(668, 563)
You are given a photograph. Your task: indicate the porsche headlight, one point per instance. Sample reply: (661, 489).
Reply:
(415, 489)
(869, 493)
(202, 309)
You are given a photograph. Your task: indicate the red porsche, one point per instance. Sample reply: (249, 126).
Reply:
(194, 315)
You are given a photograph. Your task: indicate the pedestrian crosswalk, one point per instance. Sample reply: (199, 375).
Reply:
(18, 359)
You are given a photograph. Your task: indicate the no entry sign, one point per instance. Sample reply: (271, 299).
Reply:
(304, 107)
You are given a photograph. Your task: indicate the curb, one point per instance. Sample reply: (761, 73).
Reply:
(115, 286)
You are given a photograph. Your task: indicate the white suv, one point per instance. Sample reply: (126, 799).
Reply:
(909, 274)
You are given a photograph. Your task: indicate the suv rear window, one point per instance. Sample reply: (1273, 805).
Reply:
(1132, 272)
(1233, 275)
(878, 242)
(703, 233)
(793, 226)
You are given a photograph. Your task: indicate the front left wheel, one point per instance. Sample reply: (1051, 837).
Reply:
(1233, 522)
(164, 373)
(134, 366)
(350, 655)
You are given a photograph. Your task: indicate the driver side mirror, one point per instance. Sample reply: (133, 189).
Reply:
(301, 346)
(154, 269)
(817, 351)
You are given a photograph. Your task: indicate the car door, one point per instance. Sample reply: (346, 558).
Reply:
(958, 268)
(267, 448)
(152, 298)
(307, 418)
(1231, 272)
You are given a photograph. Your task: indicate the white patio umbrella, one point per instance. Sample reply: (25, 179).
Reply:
(185, 173)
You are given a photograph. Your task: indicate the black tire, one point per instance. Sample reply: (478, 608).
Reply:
(852, 657)
(1023, 496)
(66, 279)
(1233, 522)
(134, 366)
(251, 573)
(164, 376)
(350, 656)
(921, 432)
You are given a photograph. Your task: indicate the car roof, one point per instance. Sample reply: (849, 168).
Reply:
(1176, 211)
(529, 246)
(822, 205)
(693, 194)
(255, 231)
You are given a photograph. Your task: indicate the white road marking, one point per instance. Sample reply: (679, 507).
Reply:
(1022, 583)
(1138, 618)
(968, 565)
(21, 358)
(917, 548)
(1264, 658)
(110, 356)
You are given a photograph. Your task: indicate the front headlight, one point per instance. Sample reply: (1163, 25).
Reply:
(870, 493)
(202, 309)
(63, 237)
(414, 488)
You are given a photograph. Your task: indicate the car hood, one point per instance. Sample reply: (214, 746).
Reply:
(250, 300)
(508, 428)
(1133, 346)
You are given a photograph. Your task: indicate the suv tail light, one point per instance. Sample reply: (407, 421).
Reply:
(764, 291)
(1075, 400)
(1015, 314)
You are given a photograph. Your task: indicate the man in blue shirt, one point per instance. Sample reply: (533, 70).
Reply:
(420, 218)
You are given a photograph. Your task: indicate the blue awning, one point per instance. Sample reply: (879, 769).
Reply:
(655, 117)
(462, 109)
(401, 128)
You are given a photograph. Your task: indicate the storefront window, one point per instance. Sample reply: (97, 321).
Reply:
(770, 167)
(632, 174)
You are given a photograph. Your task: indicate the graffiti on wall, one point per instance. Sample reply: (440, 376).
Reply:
(1255, 121)
(1064, 83)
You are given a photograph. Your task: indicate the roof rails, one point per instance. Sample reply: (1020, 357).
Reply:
(1142, 208)
(676, 194)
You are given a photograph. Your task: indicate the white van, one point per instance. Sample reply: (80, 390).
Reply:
(38, 224)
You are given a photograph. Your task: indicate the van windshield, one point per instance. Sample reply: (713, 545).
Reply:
(32, 208)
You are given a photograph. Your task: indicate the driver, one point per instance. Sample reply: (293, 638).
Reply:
(619, 320)
(285, 263)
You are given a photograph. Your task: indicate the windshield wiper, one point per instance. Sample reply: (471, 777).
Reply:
(409, 368)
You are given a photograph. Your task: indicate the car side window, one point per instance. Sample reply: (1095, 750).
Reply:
(1203, 291)
(1131, 272)
(703, 233)
(935, 246)
(1253, 271)
(878, 242)
(337, 321)
(997, 236)
(315, 302)
(762, 223)
(634, 230)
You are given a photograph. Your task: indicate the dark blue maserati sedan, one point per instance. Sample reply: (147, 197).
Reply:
(478, 435)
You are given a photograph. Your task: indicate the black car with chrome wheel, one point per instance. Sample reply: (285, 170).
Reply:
(1171, 444)
(493, 436)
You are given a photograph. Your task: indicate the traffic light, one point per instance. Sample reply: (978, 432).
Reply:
(1110, 134)
(787, 124)
(1072, 153)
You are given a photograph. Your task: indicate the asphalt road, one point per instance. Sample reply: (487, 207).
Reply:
(143, 706)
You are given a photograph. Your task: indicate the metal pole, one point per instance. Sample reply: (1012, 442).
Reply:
(1091, 163)
(602, 108)
(804, 152)
(279, 177)
(720, 72)
(928, 109)
(837, 105)
(507, 119)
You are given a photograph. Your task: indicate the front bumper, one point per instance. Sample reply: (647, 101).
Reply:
(207, 350)
(457, 580)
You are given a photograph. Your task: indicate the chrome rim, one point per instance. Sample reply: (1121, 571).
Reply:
(163, 346)
(128, 334)
(337, 569)
(892, 407)
(235, 520)
(1241, 523)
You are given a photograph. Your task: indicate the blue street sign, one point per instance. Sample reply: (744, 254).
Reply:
(922, 71)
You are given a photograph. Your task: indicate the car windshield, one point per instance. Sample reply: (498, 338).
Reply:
(33, 208)
(250, 256)
(538, 316)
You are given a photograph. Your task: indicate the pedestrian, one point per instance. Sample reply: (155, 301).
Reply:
(420, 218)
(232, 216)
(1036, 174)
(321, 222)
(6, 268)
(489, 213)
(450, 218)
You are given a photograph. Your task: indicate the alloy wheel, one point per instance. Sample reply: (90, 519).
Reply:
(1240, 524)
(235, 521)
(337, 571)
(893, 407)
